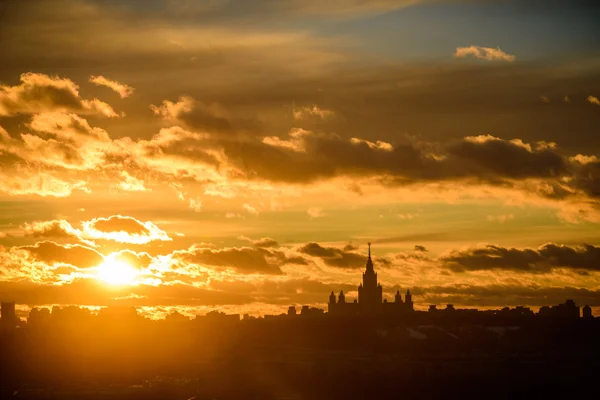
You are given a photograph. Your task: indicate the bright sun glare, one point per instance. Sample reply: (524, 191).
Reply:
(116, 272)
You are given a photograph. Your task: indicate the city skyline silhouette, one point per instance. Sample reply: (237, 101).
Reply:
(299, 199)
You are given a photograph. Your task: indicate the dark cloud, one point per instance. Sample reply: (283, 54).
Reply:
(485, 158)
(117, 223)
(420, 248)
(506, 159)
(543, 259)
(123, 229)
(587, 178)
(340, 258)
(198, 116)
(242, 259)
(72, 254)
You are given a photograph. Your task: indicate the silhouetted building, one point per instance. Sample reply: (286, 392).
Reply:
(217, 317)
(38, 317)
(518, 311)
(307, 311)
(370, 292)
(291, 311)
(566, 310)
(370, 297)
(8, 311)
(8, 315)
(586, 312)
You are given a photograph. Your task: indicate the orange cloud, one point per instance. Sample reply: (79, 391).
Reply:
(72, 254)
(24, 181)
(68, 127)
(42, 93)
(131, 183)
(593, 100)
(52, 229)
(314, 111)
(4, 136)
(250, 209)
(484, 53)
(262, 242)
(59, 140)
(122, 89)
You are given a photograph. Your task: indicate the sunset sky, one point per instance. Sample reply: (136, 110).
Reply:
(238, 155)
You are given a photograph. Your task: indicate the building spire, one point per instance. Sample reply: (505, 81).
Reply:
(369, 261)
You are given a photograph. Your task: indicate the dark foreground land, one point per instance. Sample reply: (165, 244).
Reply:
(321, 358)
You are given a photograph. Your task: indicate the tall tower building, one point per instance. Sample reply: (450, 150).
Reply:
(408, 300)
(8, 315)
(7, 311)
(370, 293)
(370, 298)
(331, 304)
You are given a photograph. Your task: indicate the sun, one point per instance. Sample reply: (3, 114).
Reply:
(115, 272)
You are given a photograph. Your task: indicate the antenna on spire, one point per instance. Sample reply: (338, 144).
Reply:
(369, 249)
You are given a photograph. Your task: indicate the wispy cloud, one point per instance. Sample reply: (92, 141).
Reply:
(316, 212)
(484, 53)
(594, 100)
(262, 242)
(314, 111)
(500, 218)
(252, 210)
(131, 183)
(408, 215)
(195, 204)
(122, 89)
